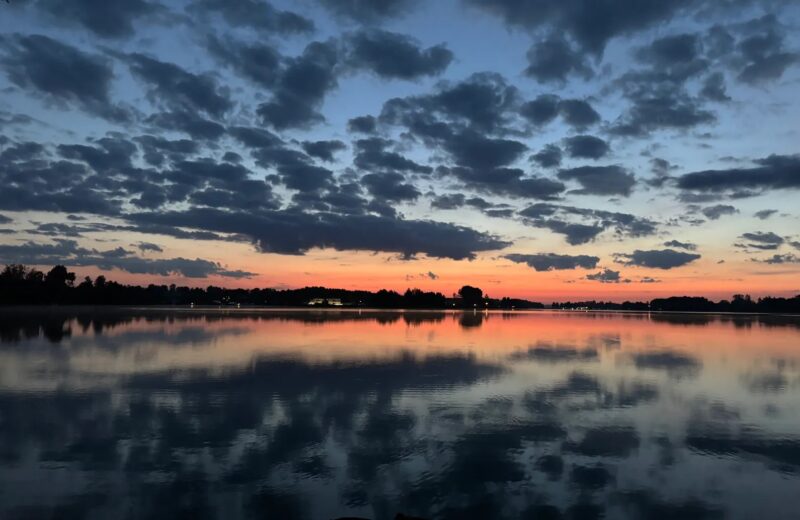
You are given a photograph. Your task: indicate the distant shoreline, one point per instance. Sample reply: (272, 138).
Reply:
(217, 309)
(21, 285)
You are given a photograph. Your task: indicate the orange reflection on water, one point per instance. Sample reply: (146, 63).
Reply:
(223, 340)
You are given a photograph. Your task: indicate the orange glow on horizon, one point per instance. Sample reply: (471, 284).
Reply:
(497, 279)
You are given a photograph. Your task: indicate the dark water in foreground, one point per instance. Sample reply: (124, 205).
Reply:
(194, 414)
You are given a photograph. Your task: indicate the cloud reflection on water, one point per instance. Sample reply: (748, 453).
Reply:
(314, 415)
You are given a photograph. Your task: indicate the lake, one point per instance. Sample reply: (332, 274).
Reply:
(126, 413)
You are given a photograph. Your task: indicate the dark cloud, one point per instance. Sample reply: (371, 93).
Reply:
(590, 23)
(577, 113)
(362, 124)
(149, 246)
(295, 232)
(773, 172)
(58, 185)
(257, 62)
(61, 230)
(430, 275)
(396, 56)
(371, 154)
(554, 59)
(693, 199)
(591, 222)
(771, 68)
(659, 110)
(347, 198)
(257, 14)
(600, 180)
(658, 94)
(718, 41)
(169, 231)
(473, 150)
(586, 147)
(670, 50)
(606, 276)
(765, 240)
(301, 87)
(484, 102)
(717, 211)
(656, 258)
(210, 183)
(188, 123)
(682, 245)
(667, 68)
(714, 88)
(763, 52)
(541, 110)
(112, 154)
(157, 150)
(458, 200)
(176, 146)
(22, 152)
(178, 89)
(67, 252)
(459, 119)
(294, 168)
(788, 258)
(661, 168)
(369, 11)
(553, 261)
(390, 186)
(548, 157)
(764, 214)
(574, 233)
(449, 201)
(511, 182)
(196, 268)
(62, 74)
(254, 137)
(105, 18)
(323, 149)
(297, 174)
(75, 199)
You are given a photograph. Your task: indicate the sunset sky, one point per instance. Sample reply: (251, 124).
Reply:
(546, 150)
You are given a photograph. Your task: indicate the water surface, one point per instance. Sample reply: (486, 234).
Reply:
(125, 413)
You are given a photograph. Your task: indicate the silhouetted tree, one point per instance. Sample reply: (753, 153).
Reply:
(471, 296)
(418, 299)
(58, 276)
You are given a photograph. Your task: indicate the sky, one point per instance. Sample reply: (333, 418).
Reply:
(554, 151)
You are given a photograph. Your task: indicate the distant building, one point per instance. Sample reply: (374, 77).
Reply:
(332, 302)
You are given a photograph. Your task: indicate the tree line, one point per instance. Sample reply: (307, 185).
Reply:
(739, 303)
(21, 285)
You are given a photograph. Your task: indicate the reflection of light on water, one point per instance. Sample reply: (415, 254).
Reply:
(332, 412)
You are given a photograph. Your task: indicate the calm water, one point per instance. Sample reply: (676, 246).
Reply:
(194, 414)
